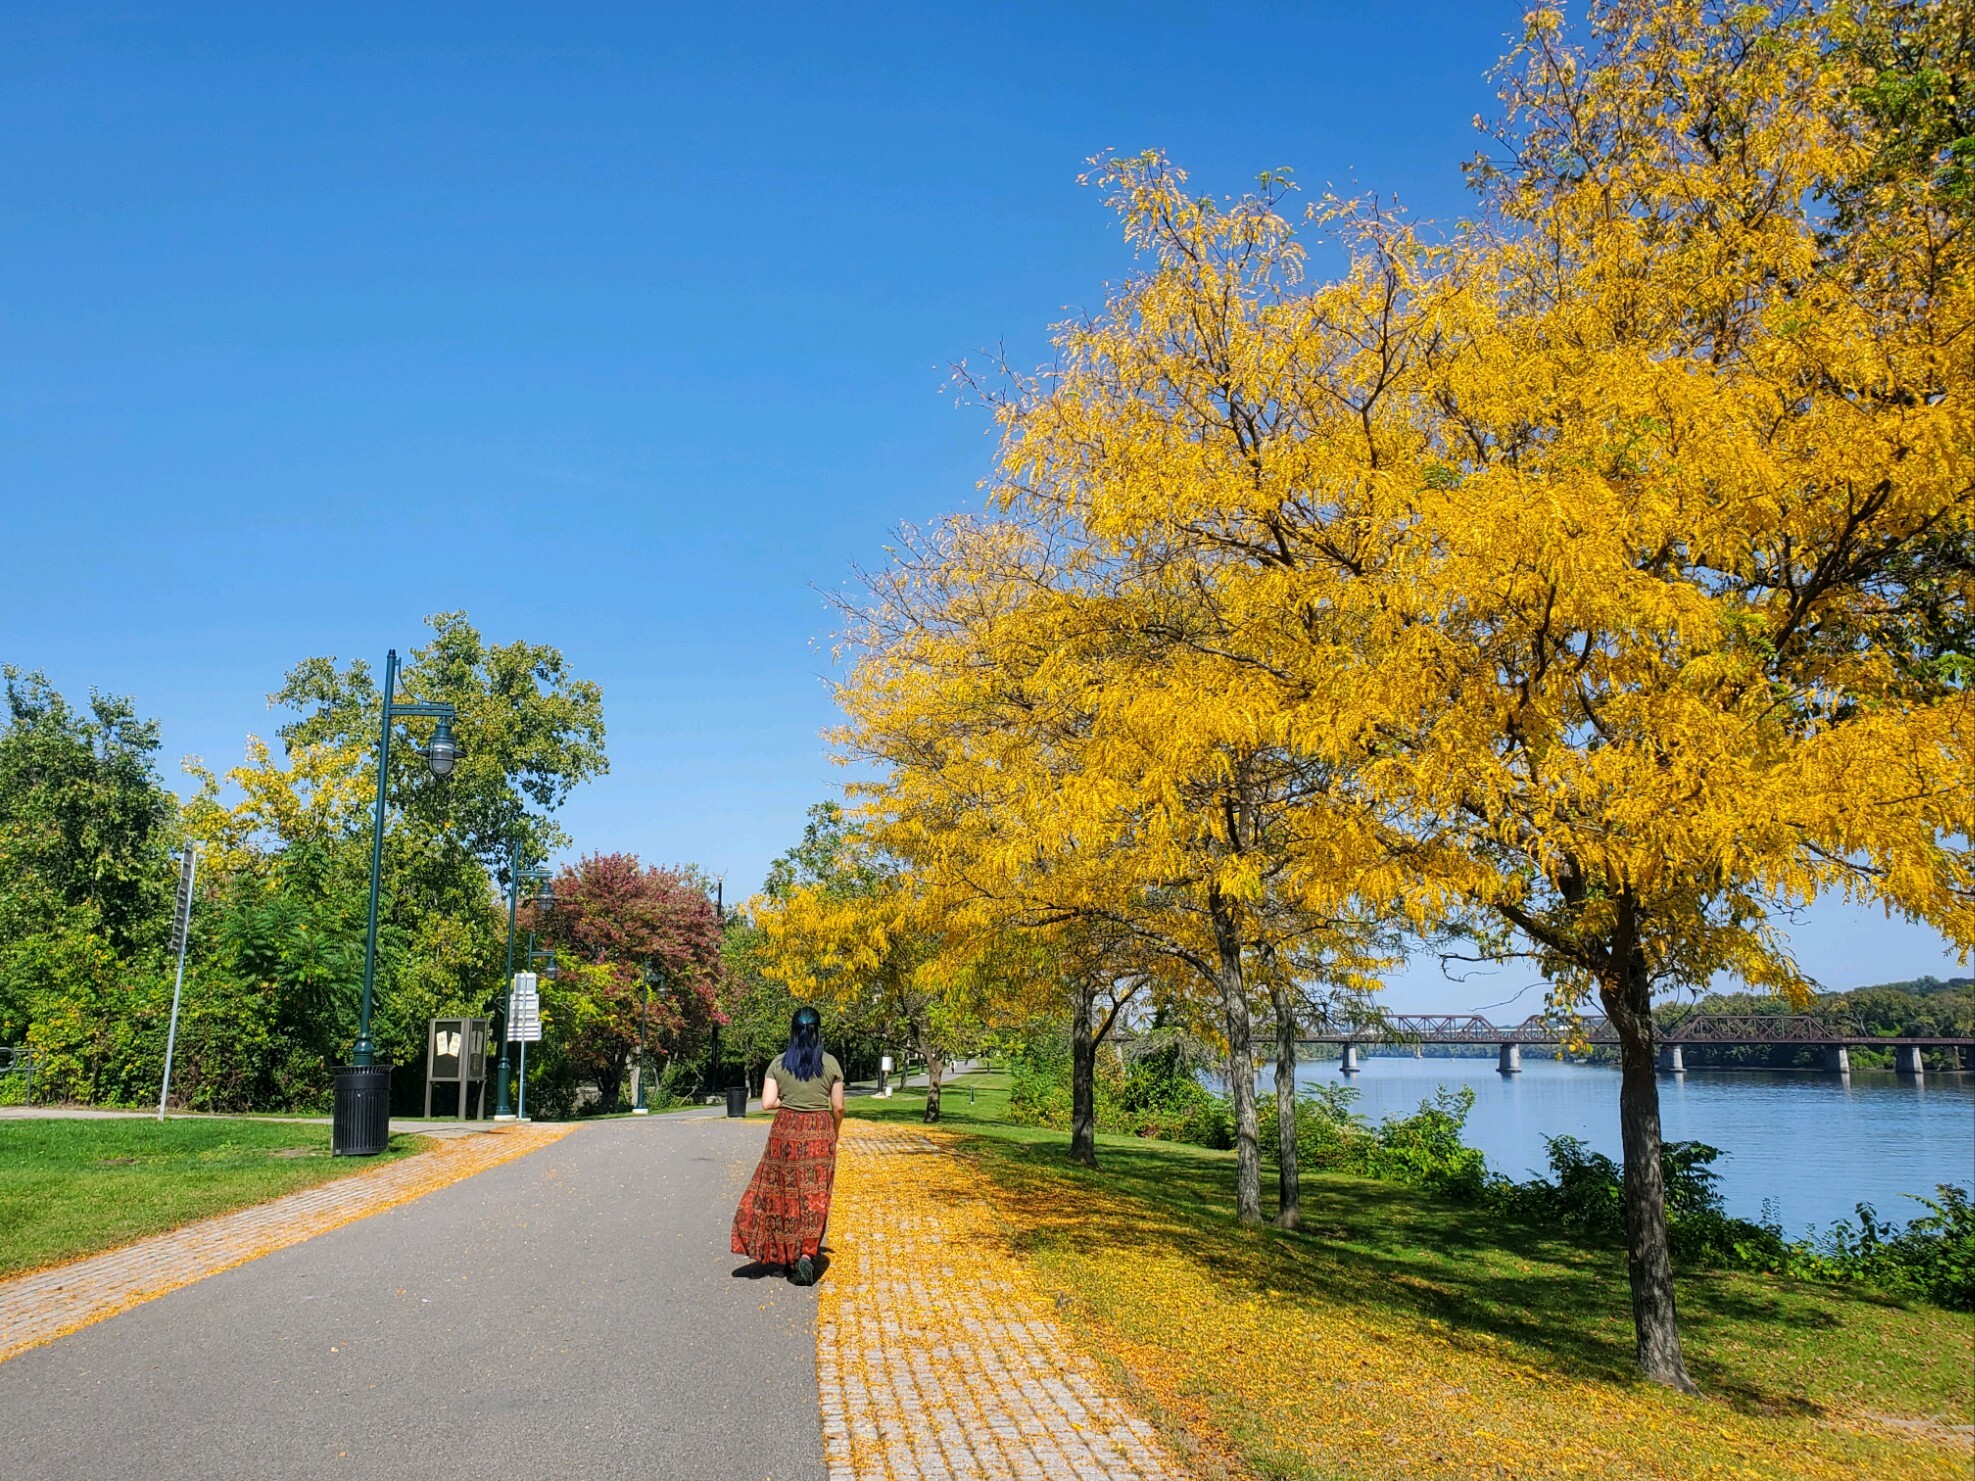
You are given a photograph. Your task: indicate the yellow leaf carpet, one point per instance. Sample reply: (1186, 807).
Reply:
(937, 1356)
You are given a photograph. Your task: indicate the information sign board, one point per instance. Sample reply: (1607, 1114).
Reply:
(524, 1019)
(181, 920)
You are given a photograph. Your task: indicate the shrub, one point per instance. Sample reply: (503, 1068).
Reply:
(1424, 1148)
(1933, 1257)
(1588, 1194)
(1158, 1096)
(1155, 1095)
(1037, 1097)
(1330, 1136)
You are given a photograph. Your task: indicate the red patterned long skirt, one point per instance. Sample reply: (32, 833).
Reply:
(787, 1203)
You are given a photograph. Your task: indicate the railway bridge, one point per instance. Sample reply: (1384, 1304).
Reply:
(1807, 1030)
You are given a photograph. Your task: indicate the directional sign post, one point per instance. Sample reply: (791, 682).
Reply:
(524, 1026)
(181, 928)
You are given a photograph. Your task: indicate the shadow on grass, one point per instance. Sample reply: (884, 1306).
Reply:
(1399, 1252)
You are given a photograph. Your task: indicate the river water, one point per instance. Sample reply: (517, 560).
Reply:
(1810, 1144)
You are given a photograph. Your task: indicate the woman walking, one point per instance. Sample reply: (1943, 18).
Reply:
(787, 1204)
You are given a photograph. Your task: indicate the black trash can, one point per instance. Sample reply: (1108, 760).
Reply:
(737, 1100)
(361, 1123)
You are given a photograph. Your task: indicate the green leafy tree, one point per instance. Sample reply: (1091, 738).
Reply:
(86, 832)
(85, 824)
(529, 732)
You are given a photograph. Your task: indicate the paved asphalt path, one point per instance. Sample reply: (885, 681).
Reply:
(571, 1313)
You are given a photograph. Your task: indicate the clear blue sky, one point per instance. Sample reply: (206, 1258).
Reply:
(622, 328)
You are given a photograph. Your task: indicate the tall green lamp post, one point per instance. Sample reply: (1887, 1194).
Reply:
(361, 1124)
(517, 876)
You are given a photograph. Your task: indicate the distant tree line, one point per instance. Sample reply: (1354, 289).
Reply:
(89, 839)
(1924, 1007)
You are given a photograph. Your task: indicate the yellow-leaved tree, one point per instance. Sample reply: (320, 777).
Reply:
(1063, 756)
(1608, 562)
(845, 922)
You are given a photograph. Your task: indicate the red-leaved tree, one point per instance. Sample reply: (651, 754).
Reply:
(613, 919)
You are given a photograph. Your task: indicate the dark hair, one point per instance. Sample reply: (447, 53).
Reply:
(804, 1056)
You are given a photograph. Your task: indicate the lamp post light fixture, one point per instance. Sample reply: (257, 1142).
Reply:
(362, 1120)
(517, 876)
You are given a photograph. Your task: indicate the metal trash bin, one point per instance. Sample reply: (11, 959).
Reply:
(737, 1100)
(361, 1123)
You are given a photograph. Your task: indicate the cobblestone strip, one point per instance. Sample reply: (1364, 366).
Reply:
(936, 1357)
(45, 1304)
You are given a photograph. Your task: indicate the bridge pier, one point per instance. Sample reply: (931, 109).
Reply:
(1671, 1061)
(1509, 1060)
(1906, 1059)
(1350, 1064)
(1838, 1059)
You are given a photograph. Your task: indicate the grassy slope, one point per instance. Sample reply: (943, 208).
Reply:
(1418, 1336)
(72, 1187)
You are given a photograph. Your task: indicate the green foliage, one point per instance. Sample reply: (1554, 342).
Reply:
(1932, 1258)
(529, 731)
(275, 964)
(755, 1008)
(1920, 102)
(1424, 1149)
(97, 1035)
(1587, 1195)
(672, 1086)
(85, 825)
(1151, 1095)
(85, 881)
(1158, 1095)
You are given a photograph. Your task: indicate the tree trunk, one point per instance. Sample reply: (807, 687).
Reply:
(1083, 1079)
(1648, 1257)
(1241, 1059)
(934, 1068)
(610, 1080)
(1289, 1178)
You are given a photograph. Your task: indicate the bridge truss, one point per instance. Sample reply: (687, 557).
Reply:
(1696, 1029)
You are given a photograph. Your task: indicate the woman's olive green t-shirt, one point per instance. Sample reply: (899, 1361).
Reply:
(807, 1095)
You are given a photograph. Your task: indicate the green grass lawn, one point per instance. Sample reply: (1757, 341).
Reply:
(1803, 1365)
(72, 1187)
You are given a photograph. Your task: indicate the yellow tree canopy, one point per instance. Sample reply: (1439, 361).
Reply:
(321, 795)
(1601, 552)
(1602, 568)
(845, 923)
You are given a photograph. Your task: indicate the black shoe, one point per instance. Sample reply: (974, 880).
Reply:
(805, 1272)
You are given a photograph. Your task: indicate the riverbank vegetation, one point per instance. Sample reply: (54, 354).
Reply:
(72, 1187)
(1405, 1332)
(1155, 1094)
(1586, 583)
